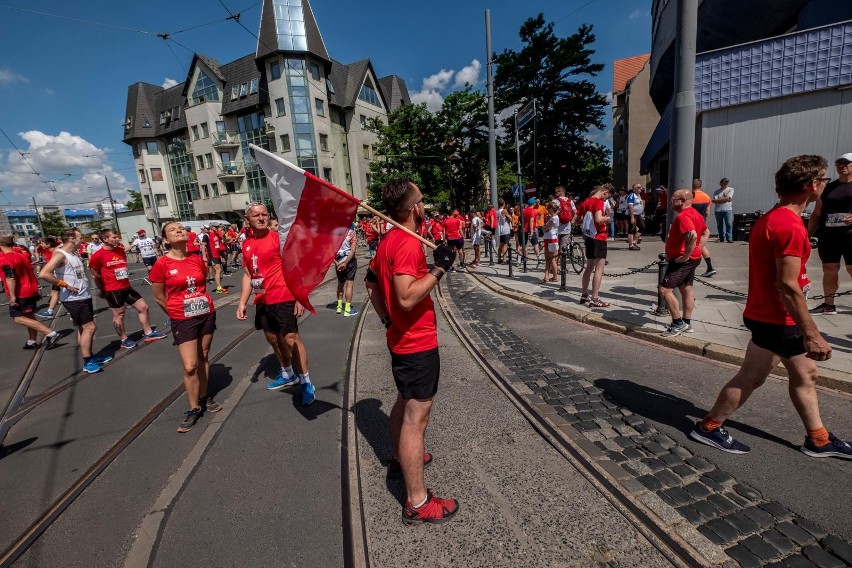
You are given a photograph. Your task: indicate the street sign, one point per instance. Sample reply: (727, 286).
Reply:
(530, 189)
(516, 191)
(525, 115)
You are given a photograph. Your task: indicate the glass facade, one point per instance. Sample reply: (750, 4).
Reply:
(290, 25)
(302, 114)
(205, 89)
(251, 129)
(183, 178)
(368, 93)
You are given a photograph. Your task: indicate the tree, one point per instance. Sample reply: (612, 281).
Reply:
(135, 202)
(555, 72)
(52, 222)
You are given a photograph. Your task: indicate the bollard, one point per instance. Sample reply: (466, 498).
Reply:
(661, 273)
(563, 259)
(491, 250)
(509, 257)
(524, 248)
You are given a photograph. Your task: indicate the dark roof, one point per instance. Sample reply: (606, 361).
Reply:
(268, 38)
(169, 99)
(395, 91)
(209, 62)
(243, 70)
(140, 108)
(347, 81)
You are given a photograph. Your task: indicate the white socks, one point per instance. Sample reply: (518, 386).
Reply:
(287, 371)
(305, 379)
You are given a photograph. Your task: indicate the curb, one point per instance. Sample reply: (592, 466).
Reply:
(828, 378)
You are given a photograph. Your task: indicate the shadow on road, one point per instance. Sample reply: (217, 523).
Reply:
(17, 446)
(220, 379)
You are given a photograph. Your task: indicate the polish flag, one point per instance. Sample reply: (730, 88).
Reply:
(313, 217)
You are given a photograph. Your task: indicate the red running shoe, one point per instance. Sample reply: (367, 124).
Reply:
(395, 469)
(434, 510)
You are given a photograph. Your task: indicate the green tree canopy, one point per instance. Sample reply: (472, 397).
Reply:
(52, 222)
(135, 202)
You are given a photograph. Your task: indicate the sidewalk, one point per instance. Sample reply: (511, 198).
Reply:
(717, 320)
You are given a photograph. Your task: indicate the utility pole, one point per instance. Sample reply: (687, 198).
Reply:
(682, 134)
(492, 136)
(112, 206)
(38, 218)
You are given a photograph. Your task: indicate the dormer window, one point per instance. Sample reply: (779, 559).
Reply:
(368, 93)
(205, 89)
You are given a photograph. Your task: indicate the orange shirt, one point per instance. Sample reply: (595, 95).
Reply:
(540, 216)
(700, 197)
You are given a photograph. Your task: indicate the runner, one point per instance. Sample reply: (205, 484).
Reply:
(591, 217)
(504, 229)
(551, 243)
(108, 266)
(687, 235)
(566, 216)
(530, 233)
(46, 251)
(277, 311)
(475, 236)
(347, 266)
(214, 257)
(21, 287)
(453, 227)
(399, 286)
(231, 242)
(636, 217)
(192, 243)
(701, 203)
(179, 284)
(437, 230)
(66, 270)
(777, 315)
(147, 250)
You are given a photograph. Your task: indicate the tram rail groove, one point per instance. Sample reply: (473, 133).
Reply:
(568, 442)
(53, 512)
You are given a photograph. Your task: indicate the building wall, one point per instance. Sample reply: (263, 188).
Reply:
(619, 139)
(642, 118)
(145, 161)
(748, 143)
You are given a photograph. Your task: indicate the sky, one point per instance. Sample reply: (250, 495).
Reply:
(63, 81)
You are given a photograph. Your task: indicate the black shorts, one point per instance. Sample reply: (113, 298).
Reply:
(530, 238)
(348, 272)
(25, 306)
(277, 318)
(55, 288)
(416, 374)
(834, 245)
(638, 225)
(540, 232)
(149, 260)
(212, 261)
(595, 249)
(118, 298)
(193, 328)
(233, 248)
(81, 311)
(784, 340)
(457, 244)
(504, 239)
(701, 208)
(621, 216)
(680, 273)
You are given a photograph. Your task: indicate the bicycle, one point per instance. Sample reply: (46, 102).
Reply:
(576, 253)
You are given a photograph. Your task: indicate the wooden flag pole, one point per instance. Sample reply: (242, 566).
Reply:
(396, 224)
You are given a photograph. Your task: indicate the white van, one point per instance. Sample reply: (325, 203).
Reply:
(196, 226)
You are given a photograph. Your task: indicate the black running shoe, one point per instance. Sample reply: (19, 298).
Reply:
(718, 438)
(835, 448)
(189, 420)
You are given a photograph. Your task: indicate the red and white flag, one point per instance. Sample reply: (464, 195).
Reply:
(313, 219)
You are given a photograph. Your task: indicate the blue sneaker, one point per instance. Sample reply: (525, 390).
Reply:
(308, 394)
(718, 438)
(128, 343)
(45, 314)
(352, 312)
(835, 448)
(153, 336)
(281, 382)
(92, 367)
(102, 360)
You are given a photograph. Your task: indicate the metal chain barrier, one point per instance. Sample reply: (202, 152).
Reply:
(731, 292)
(836, 294)
(631, 272)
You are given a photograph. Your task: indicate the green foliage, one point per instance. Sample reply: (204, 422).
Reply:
(555, 72)
(135, 202)
(52, 222)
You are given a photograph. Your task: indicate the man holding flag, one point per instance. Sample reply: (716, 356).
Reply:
(399, 284)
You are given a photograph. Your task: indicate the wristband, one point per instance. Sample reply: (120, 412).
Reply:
(386, 322)
(62, 284)
(437, 272)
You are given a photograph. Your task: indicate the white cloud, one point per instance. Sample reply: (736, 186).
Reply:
(7, 77)
(469, 74)
(168, 83)
(637, 13)
(432, 98)
(49, 91)
(608, 96)
(438, 81)
(54, 156)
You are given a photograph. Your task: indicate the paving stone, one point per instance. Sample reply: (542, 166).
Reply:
(625, 430)
(616, 456)
(739, 500)
(700, 464)
(743, 524)
(667, 478)
(615, 422)
(645, 428)
(697, 490)
(641, 467)
(759, 516)
(667, 500)
(760, 548)
(625, 412)
(798, 561)
(586, 426)
(723, 530)
(679, 495)
(811, 528)
(775, 510)
(721, 477)
(684, 471)
(595, 405)
(747, 492)
(690, 515)
(624, 442)
(594, 436)
(713, 485)
(654, 464)
(631, 470)
(779, 541)
(725, 505)
(602, 414)
(682, 452)
(822, 559)
(610, 445)
(634, 453)
(795, 533)
(602, 424)
(651, 482)
(706, 509)
(713, 537)
(633, 486)
(655, 448)
(671, 460)
(744, 557)
(664, 441)
(839, 548)
(585, 415)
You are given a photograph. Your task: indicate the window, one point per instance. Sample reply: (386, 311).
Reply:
(285, 142)
(161, 199)
(235, 92)
(176, 113)
(320, 105)
(220, 128)
(230, 187)
(209, 159)
(136, 151)
(145, 122)
(214, 187)
(366, 149)
(363, 120)
(205, 89)
(620, 128)
(142, 177)
(315, 72)
(128, 123)
(147, 201)
(280, 109)
(368, 93)
(205, 130)
(252, 86)
(226, 157)
(243, 89)
(275, 70)
(200, 162)
(151, 146)
(324, 142)
(620, 157)
(326, 174)
(194, 129)
(204, 191)
(162, 118)
(156, 174)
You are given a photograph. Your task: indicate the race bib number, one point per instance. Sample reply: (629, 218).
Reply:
(121, 274)
(835, 220)
(257, 285)
(806, 289)
(79, 274)
(193, 307)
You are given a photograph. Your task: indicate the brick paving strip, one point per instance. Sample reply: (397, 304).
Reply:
(683, 491)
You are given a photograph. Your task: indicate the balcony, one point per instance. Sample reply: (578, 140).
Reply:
(226, 140)
(219, 205)
(231, 170)
(269, 128)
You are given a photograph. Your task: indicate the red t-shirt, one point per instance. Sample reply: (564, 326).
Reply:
(437, 228)
(222, 246)
(491, 218)
(687, 220)
(453, 227)
(191, 245)
(26, 283)
(186, 290)
(232, 236)
(530, 214)
(214, 244)
(775, 235)
(45, 252)
(262, 257)
(594, 204)
(416, 330)
(112, 265)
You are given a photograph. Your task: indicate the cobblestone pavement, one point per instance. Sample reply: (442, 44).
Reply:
(753, 531)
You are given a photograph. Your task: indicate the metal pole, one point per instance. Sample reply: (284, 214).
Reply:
(661, 273)
(112, 206)
(682, 134)
(492, 136)
(564, 275)
(509, 256)
(518, 157)
(38, 218)
(535, 149)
